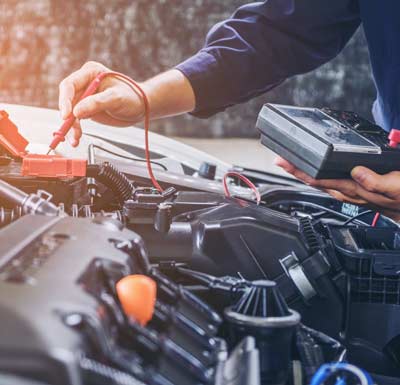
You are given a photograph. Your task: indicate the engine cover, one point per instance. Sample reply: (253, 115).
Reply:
(62, 322)
(41, 272)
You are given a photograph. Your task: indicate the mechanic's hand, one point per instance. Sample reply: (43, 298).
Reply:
(380, 192)
(114, 104)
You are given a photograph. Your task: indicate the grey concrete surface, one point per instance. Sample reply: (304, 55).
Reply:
(241, 152)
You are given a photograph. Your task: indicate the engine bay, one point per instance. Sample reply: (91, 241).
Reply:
(105, 280)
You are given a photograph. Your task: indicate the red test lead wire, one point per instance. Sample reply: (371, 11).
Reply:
(247, 181)
(376, 219)
(138, 89)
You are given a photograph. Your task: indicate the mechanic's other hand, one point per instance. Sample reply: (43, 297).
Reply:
(114, 104)
(381, 192)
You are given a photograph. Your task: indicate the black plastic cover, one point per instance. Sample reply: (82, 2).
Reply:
(323, 150)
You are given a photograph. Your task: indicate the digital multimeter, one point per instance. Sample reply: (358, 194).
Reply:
(325, 143)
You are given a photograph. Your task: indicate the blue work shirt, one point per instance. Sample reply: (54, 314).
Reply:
(264, 43)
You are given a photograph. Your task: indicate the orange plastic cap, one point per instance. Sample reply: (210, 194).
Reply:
(137, 294)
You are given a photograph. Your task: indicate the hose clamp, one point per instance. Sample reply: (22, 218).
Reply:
(295, 272)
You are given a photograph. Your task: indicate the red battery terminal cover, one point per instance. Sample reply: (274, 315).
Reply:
(10, 138)
(52, 166)
(45, 166)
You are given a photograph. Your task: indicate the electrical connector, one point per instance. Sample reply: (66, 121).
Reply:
(52, 166)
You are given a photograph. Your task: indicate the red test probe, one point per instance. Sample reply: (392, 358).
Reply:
(59, 136)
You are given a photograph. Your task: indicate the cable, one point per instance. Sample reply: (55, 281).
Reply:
(128, 157)
(357, 217)
(316, 206)
(247, 181)
(376, 219)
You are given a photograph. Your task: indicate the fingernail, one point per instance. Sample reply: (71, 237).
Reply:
(358, 173)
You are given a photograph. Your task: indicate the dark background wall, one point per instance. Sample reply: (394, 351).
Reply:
(43, 40)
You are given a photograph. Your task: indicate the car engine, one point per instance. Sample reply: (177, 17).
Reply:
(105, 280)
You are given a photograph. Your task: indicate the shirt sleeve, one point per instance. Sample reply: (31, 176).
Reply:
(262, 45)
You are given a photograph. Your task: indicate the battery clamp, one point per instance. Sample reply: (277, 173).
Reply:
(37, 165)
(326, 143)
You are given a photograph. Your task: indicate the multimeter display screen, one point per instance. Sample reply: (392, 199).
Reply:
(325, 127)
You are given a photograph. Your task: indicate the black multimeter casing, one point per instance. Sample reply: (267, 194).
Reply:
(325, 143)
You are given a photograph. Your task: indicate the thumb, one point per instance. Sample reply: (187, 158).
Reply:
(371, 181)
(283, 163)
(95, 104)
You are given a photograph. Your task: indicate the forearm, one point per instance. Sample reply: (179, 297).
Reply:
(169, 94)
(263, 44)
